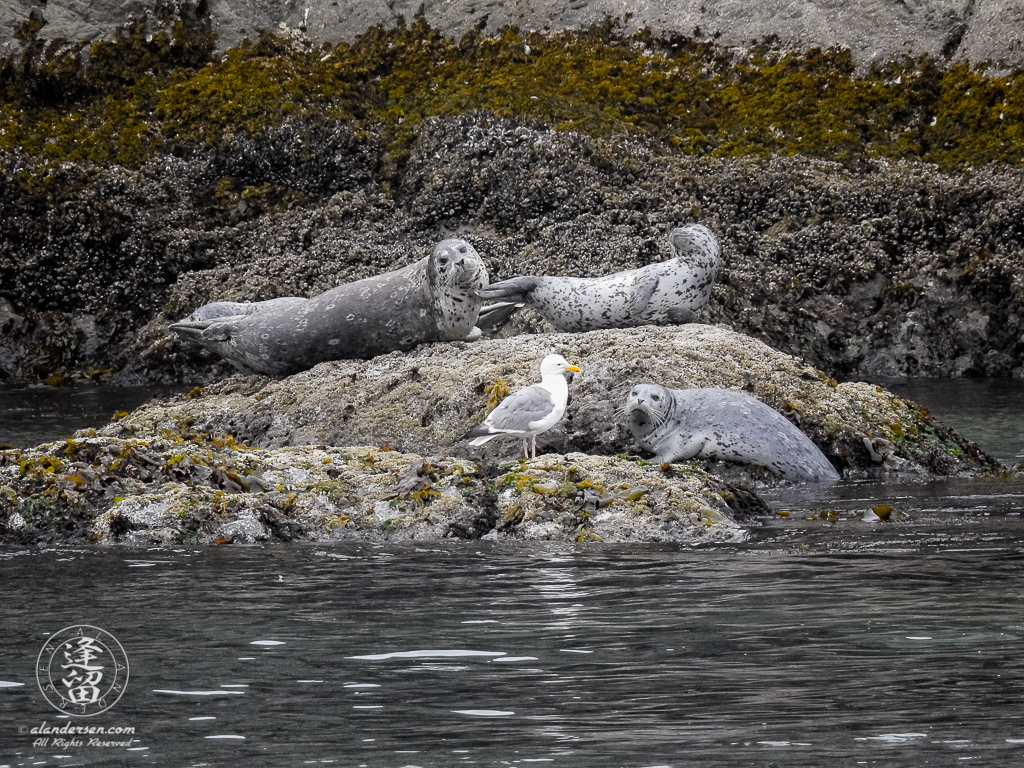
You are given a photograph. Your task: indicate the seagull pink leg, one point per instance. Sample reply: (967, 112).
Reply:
(534, 451)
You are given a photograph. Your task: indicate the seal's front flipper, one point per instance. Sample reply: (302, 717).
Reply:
(681, 315)
(494, 315)
(644, 286)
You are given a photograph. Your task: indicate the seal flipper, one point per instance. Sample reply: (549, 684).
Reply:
(205, 331)
(493, 315)
(644, 286)
(515, 289)
(681, 315)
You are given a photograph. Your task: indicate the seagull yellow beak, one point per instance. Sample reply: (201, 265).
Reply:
(573, 368)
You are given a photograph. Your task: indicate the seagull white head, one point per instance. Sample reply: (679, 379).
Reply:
(554, 365)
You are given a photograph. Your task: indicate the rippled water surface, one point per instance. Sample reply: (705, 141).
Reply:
(987, 411)
(820, 642)
(30, 415)
(830, 638)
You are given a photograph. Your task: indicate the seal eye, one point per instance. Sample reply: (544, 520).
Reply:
(655, 397)
(443, 261)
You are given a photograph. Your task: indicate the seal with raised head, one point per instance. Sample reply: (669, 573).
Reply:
(670, 292)
(721, 424)
(433, 299)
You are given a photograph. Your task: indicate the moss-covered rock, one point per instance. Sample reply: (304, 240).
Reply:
(168, 490)
(425, 400)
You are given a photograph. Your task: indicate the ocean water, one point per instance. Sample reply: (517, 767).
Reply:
(829, 638)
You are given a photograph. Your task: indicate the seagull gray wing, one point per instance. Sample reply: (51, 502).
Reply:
(517, 411)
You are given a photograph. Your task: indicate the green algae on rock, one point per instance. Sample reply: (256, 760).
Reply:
(425, 400)
(169, 491)
(142, 93)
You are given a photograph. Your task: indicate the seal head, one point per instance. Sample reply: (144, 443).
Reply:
(455, 272)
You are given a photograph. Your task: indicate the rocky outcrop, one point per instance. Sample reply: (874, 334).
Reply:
(896, 269)
(168, 490)
(254, 459)
(875, 30)
(424, 401)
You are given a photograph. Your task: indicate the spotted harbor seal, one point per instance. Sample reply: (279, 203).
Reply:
(670, 292)
(721, 424)
(434, 299)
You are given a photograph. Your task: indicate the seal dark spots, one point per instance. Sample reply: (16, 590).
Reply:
(391, 312)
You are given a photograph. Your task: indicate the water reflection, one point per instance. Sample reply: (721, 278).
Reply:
(815, 643)
(987, 411)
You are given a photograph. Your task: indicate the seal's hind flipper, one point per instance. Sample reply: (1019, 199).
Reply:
(203, 331)
(515, 289)
(682, 315)
(494, 315)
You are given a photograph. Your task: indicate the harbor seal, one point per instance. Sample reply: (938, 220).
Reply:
(434, 299)
(721, 424)
(670, 292)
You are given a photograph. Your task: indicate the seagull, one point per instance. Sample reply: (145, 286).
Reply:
(531, 411)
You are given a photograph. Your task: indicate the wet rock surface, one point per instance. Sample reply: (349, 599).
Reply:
(253, 459)
(425, 401)
(873, 29)
(169, 490)
(892, 270)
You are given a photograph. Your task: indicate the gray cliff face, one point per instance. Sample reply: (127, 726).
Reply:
(978, 30)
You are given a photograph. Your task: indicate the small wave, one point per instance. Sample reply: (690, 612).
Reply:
(439, 654)
(199, 693)
(484, 712)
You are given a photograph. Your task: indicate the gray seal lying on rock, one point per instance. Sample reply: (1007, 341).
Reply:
(721, 424)
(434, 299)
(670, 292)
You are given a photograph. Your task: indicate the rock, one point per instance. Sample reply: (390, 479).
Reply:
(886, 271)
(424, 401)
(336, 494)
(873, 29)
(247, 460)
